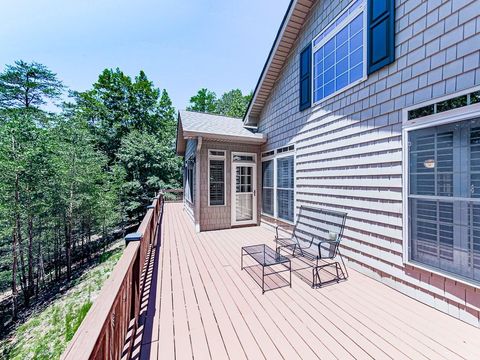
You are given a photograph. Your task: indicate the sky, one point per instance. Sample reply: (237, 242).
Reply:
(182, 45)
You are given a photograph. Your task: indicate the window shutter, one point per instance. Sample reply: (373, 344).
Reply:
(306, 78)
(381, 34)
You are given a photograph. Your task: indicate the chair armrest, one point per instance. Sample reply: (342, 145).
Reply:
(278, 227)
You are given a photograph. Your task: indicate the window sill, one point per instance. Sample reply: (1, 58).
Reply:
(445, 274)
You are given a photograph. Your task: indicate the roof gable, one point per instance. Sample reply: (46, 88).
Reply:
(287, 35)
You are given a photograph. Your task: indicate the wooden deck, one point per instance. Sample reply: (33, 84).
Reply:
(201, 305)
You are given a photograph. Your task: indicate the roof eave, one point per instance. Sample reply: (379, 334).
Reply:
(276, 42)
(225, 137)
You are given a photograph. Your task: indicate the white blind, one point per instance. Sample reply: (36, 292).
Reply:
(285, 191)
(217, 182)
(267, 187)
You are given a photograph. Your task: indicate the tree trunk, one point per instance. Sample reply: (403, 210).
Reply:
(30, 257)
(14, 275)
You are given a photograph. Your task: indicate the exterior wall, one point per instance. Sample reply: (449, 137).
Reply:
(219, 217)
(349, 147)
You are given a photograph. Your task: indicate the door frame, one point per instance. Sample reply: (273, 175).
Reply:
(233, 176)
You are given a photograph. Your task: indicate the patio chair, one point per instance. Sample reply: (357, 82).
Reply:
(316, 236)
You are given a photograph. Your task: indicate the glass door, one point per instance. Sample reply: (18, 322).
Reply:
(244, 196)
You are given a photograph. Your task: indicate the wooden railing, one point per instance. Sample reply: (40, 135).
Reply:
(107, 332)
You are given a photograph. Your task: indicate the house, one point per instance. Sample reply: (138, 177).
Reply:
(372, 108)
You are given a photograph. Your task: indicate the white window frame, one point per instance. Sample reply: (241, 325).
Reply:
(218, 157)
(254, 164)
(274, 157)
(341, 26)
(443, 118)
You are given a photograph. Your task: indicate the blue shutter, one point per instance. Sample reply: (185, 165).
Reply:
(381, 34)
(305, 88)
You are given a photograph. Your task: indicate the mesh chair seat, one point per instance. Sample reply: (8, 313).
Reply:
(316, 236)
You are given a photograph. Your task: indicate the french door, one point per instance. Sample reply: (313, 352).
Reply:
(244, 189)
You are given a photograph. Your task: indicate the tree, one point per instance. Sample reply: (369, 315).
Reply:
(150, 164)
(233, 103)
(205, 101)
(26, 85)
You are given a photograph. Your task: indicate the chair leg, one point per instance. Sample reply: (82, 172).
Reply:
(341, 258)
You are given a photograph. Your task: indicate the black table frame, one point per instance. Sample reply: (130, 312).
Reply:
(283, 260)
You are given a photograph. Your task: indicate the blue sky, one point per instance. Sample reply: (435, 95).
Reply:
(182, 45)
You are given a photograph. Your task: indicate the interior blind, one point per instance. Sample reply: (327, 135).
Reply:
(285, 191)
(217, 182)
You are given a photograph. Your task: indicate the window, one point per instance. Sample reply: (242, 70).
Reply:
(278, 179)
(444, 197)
(339, 53)
(267, 187)
(285, 176)
(216, 178)
(189, 176)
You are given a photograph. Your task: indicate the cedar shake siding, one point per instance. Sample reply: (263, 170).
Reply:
(219, 217)
(349, 147)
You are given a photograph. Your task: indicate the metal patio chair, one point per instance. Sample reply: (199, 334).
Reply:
(316, 236)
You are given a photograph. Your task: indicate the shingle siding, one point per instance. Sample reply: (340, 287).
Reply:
(219, 217)
(349, 148)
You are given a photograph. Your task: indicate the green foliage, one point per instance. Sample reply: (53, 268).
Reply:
(73, 319)
(134, 124)
(46, 334)
(25, 85)
(68, 180)
(204, 101)
(150, 165)
(232, 103)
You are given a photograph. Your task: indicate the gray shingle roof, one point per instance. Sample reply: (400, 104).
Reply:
(197, 122)
(193, 124)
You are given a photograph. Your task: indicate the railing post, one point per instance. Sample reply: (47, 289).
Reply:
(132, 237)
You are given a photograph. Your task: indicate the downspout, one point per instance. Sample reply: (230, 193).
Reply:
(197, 184)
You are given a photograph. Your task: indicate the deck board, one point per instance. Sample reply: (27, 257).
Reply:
(206, 307)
